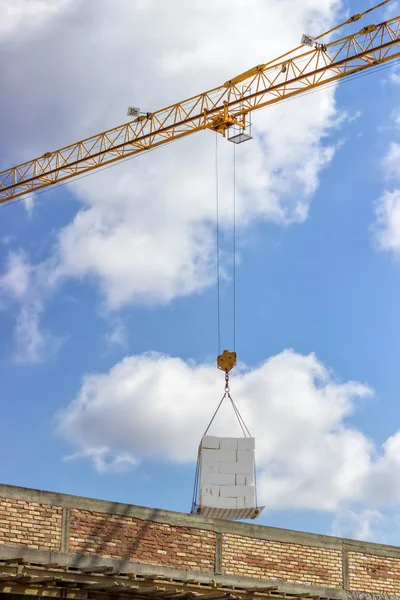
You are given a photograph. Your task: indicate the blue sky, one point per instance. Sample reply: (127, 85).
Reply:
(107, 292)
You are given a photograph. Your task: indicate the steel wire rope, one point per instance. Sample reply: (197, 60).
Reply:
(234, 250)
(217, 246)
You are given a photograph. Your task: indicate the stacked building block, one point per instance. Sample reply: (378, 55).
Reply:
(227, 472)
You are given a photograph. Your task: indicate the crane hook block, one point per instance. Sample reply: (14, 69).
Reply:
(226, 361)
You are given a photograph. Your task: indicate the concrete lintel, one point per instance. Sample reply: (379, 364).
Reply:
(251, 530)
(371, 548)
(370, 596)
(125, 566)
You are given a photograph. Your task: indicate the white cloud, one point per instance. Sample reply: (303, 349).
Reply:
(29, 204)
(105, 461)
(364, 525)
(7, 239)
(145, 232)
(33, 344)
(25, 283)
(308, 455)
(391, 162)
(386, 227)
(391, 10)
(370, 525)
(15, 280)
(29, 14)
(387, 222)
(117, 335)
(394, 76)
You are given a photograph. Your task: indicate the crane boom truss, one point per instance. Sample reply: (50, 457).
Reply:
(217, 109)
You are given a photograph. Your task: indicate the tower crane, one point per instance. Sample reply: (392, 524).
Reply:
(222, 109)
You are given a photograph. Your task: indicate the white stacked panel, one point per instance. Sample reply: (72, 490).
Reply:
(227, 472)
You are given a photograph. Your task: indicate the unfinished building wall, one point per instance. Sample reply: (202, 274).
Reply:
(54, 523)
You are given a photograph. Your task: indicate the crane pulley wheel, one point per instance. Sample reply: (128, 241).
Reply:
(226, 361)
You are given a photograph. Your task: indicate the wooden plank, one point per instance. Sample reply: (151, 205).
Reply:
(262, 590)
(178, 594)
(47, 592)
(104, 585)
(21, 579)
(217, 596)
(45, 579)
(100, 569)
(11, 579)
(148, 591)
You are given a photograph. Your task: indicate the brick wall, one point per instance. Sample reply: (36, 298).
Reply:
(81, 526)
(293, 563)
(375, 574)
(30, 524)
(115, 536)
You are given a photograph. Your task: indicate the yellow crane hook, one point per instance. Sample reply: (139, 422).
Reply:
(226, 361)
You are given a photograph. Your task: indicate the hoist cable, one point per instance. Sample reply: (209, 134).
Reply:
(217, 234)
(234, 248)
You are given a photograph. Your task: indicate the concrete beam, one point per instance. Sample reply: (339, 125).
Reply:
(345, 568)
(261, 532)
(218, 555)
(65, 528)
(123, 566)
(369, 596)
(371, 548)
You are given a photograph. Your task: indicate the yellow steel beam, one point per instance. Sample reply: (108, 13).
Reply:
(216, 109)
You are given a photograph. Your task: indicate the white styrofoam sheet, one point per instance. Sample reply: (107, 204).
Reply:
(228, 443)
(208, 456)
(250, 479)
(244, 479)
(210, 441)
(248, 502)
(234, 491)
(247, 443)
(245, 455)
(217, 501)
(210, 490)
(217, 478)
(208, 468)
(236, 467)
(240, 502)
